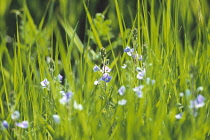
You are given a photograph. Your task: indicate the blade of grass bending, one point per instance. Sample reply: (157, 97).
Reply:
(72, 34)
(120, 21)
(98, 41)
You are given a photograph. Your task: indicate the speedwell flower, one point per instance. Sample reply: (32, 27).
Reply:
(5, 124)
(121, 90)
(45, 83)
(122, 102)
(56, 118)
(65, 99)
(106, 77)
(15, 115)
(23, 124)
(96, 68)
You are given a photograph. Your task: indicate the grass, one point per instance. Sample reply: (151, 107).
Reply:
(175, 55)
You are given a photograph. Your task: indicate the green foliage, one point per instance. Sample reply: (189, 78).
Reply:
(173, 41)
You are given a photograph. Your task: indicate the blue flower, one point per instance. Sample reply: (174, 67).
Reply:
(198, 102)
(138, 91)
(45, 83)
(60, 78)
(122, 102)
(5, 124)
(130, 53)
(106, 77)
(121, 90)
(96, 68)
(15, 115)
(65, 99)
(127, 49)
(56, 118)
(141, 74)
(23, 124)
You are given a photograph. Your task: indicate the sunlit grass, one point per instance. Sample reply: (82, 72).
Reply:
(172, 63)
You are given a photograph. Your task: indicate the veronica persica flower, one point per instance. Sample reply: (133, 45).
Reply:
(198, 102)
(127, 49)
(179, 116)
(60, 78)
(5, 124)
(130, 53)
(15, 115)
(23, 124)
(96, 82)
(106, 77)
(141, 74)
(65, 99)
(138, 91)
(56, 118)
(96, 68)
(121, 90)
(45, 83)
(122, 102)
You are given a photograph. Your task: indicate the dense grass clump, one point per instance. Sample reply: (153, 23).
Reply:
(142, 77)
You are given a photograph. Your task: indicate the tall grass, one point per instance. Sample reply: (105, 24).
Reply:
(175, 58)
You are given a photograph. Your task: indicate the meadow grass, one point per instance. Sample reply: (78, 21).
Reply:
(174, 63)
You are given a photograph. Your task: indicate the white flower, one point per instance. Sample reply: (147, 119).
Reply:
(56, 118)
(78, 106)
(124, 66)
(45, 83)
(122, 102)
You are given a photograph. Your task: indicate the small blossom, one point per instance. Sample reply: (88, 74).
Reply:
(138, 91)
(198, 102)
(121, 90)
(179, 116)
(141, 74)
(96, 68)
(15, 115)
(138, 88)
(45, 83)
(60, 78)
(181, 94)
(124, 66)
(56, 118)
(140, 57)
(5, 124)
(78, 106)
(23, 124)
(130, 53)
(200, 89)
(138, 69)
(65, 99)
(105, 69)
(106, 77)
(127, 49)
(122, 102)
(96, 82)
(139, 94)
